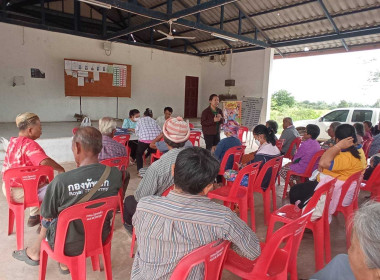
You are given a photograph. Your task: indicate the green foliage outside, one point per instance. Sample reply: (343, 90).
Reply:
(283, 104)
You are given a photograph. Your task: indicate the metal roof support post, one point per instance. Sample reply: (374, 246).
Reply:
(43, 18)
(76, 15)
(199, 14)
(240, 19)
(151, 36)
(332, 22)
(104, 22)
(221, 17)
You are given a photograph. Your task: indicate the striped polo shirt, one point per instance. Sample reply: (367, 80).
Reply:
(169, 228)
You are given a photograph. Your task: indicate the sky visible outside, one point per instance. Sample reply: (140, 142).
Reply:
(329, 78)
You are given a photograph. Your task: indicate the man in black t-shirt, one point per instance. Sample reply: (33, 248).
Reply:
(67, 189)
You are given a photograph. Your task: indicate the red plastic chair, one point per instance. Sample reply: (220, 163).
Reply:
(275, 259)
(237, 152)
(123, 139)
(349, 210)
(212, 255)
(273, 164)
(122, 164)
(303, 176)
(132, 254)
(295, 143)
(280, 143)
(320, 227)
(27, 178)
(372, 185)
(242, 130)
(237, 194)
(195, 137)
(191, 126)
(93, 215)
(366, 145)
(157, 155)
(75, 130)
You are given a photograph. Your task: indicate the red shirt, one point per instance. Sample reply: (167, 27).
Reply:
(21, 152)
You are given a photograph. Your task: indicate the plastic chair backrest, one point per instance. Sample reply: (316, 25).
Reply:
(374, 179)
(212, 255)
(252, 170)
(280, 143)
(326, 189)
(191, 125)
(195, 136)
(366, 145)
(167, 191)
(93, 215)
(295, 143)
(291, 234)
(75, 129)
(274, 164)
(237, 152)
(27, 178)
(242, 130)
(120, 162)
(356, 177)
(122, 139)
(314, 160)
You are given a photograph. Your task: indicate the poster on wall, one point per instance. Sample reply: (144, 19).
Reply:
(232, 111)
(251, 110)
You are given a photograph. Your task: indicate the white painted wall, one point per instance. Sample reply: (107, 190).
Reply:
(251, 71)
(158, 77)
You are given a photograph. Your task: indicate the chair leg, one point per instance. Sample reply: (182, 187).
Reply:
(270, 229)
(20, 229)
(347, 218)
(251, 205)
(43, 264)
(266, 198)
(274, 198)
(107, 261)
(327, 245)
(286, 186)
(318, 235)
(132, 253)
(243, 211)
(11, 220)
(95, 262)
(78, 269)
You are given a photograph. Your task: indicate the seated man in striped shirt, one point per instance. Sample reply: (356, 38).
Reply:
(169, 228)
(158, 176)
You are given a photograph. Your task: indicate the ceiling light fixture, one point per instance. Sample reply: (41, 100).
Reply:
(306, 49)
(224, 37)
(174, 30)
(97, 3)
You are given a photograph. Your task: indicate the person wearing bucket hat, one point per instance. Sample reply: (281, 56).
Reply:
(158, 177)
(231, 129)
(25, 151)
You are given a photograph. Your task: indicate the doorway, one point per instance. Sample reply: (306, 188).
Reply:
(191, 97)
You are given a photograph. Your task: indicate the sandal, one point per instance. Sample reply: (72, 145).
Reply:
(63, 271)
(21, 255)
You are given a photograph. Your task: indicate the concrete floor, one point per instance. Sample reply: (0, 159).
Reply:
(121, 262)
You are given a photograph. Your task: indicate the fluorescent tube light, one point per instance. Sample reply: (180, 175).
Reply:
(224, 37)
(97, 3)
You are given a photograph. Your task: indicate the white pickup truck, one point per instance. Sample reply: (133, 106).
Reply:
(342, 115)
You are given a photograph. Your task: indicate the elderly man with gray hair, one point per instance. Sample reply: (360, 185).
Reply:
(289, 134)
(112, 148)
(363, 259)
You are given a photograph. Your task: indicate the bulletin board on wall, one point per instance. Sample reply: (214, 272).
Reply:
(101, 79)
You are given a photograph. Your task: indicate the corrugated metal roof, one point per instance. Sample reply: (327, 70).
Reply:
(281, 21)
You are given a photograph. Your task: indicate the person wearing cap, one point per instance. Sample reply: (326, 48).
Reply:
(231, 129)
(158, 176)
(25, 151)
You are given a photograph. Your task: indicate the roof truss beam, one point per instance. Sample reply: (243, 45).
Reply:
(332, 22)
